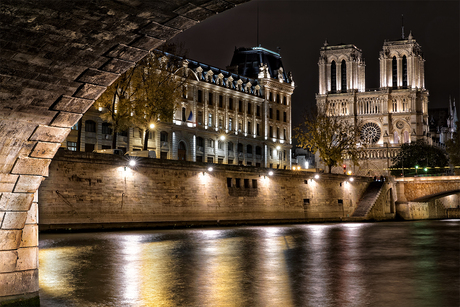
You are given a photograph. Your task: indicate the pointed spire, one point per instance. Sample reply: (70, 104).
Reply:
(410, 35)
(326, 43)
(402, 26)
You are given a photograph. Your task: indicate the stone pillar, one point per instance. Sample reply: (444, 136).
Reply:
(19, 249)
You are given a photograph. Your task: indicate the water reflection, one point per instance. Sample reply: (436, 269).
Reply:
(381, 264)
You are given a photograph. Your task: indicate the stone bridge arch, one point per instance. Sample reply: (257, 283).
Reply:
(57, 57)
(423, 188)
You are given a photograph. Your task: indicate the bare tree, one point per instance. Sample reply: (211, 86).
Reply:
(332, 136)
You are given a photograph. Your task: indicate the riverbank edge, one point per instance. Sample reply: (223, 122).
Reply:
(23, 300)
(95, 227)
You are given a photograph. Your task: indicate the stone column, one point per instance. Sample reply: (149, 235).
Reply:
(19, 248)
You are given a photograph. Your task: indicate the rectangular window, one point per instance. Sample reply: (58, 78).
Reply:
(277, 132)
(200, 118)
(238, 183)
(106, 128)
(249, 108)
(221, 101)
(230, 103)
(240, 106)
(277, 114)
(305, 181)
(89, 147)
(200, 96)
(258, 130)
(210, 160)
(151, 135)
(230, 123)
(211, 143)
(270, 113)
(210, 119)
(220, 161)
(340, 201)
(249, 128)
(246, 183)
(284, 134)
(199, 158)
(258, 111)
(75, 127)
(221, 123)
(306, 201)
(183, 114)
(229, 182)
(220, 144)
(230, 161)
(285, 117)
(210, 99)
(271, 132)
(72, 146)
(254, 183)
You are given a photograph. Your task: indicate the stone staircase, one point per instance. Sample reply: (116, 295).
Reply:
(368, 199)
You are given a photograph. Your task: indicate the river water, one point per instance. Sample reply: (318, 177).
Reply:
(350, 264)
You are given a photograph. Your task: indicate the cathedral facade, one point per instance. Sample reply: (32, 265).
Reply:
(393, 114)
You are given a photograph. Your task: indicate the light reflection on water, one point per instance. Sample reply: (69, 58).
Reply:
(371, 264)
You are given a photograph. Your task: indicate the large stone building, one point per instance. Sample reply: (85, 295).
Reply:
(393, 114)
(241, 115)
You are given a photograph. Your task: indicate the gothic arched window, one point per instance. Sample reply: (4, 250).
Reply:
(404, 71)
(343, 73)
(395, 72)
(333, 77)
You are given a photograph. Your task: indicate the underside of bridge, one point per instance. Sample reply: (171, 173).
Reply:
(56, 58)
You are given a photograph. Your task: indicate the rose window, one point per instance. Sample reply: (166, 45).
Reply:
(370, 133)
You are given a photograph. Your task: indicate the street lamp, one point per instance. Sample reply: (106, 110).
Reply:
(416, 170)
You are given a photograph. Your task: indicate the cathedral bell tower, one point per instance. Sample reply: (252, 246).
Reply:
(341, 69)
(402, 65)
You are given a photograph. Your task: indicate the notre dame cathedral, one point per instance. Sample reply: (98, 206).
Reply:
(389, 116)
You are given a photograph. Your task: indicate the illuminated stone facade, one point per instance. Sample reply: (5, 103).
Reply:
(223, 117)
(389, 116)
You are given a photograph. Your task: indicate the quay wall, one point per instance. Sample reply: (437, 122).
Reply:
(85, 189)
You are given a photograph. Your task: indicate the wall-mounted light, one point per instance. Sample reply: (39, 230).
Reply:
(270, 173)
(210, 169)
(152, 126)
(132, 163)
(278, 147)
(351, 179)
(316, 176)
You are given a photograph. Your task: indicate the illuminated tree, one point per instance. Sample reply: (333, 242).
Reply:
(333, 137)
(157, 90)
(116, 103)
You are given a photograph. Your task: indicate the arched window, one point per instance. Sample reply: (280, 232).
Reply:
(396, 138)
(249, 149)
(333, 77)
(343, 73)
(395, 72)
(240, 147)
(258, 150)
(90, 126)
(230, 146)
(106, 128)
(406, 136)
(404, 71)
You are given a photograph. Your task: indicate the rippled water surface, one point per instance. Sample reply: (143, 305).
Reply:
(361, 264)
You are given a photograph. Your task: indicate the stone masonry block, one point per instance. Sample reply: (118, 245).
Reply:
(127, 53)
(28, 184)
(180, 22)
(18, 283)
(98, 77)
(66, 119)
(8, 261)
(45, 150)
(159, 31)
(16, 201)
(7, 182)
(31, 166)
(27, 258)
(32, 214)
(90, 91)
(10, 239)
(73, 104)
(29, 236)
(147, 43)
(49, 134)
(117, 66)
(194, 12)
(14, 220)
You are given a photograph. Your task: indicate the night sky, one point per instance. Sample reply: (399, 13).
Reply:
(300, 28)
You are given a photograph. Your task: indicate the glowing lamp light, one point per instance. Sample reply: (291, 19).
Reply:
(222, 137)
(210, 169)
(316, 176)
(152, 126)
(270, 173)
(278, 147)
(351, 179)
(132, 163)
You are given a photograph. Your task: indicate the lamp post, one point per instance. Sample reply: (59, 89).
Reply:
(416, 170)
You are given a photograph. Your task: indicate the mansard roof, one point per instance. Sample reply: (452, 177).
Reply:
(246, 61)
